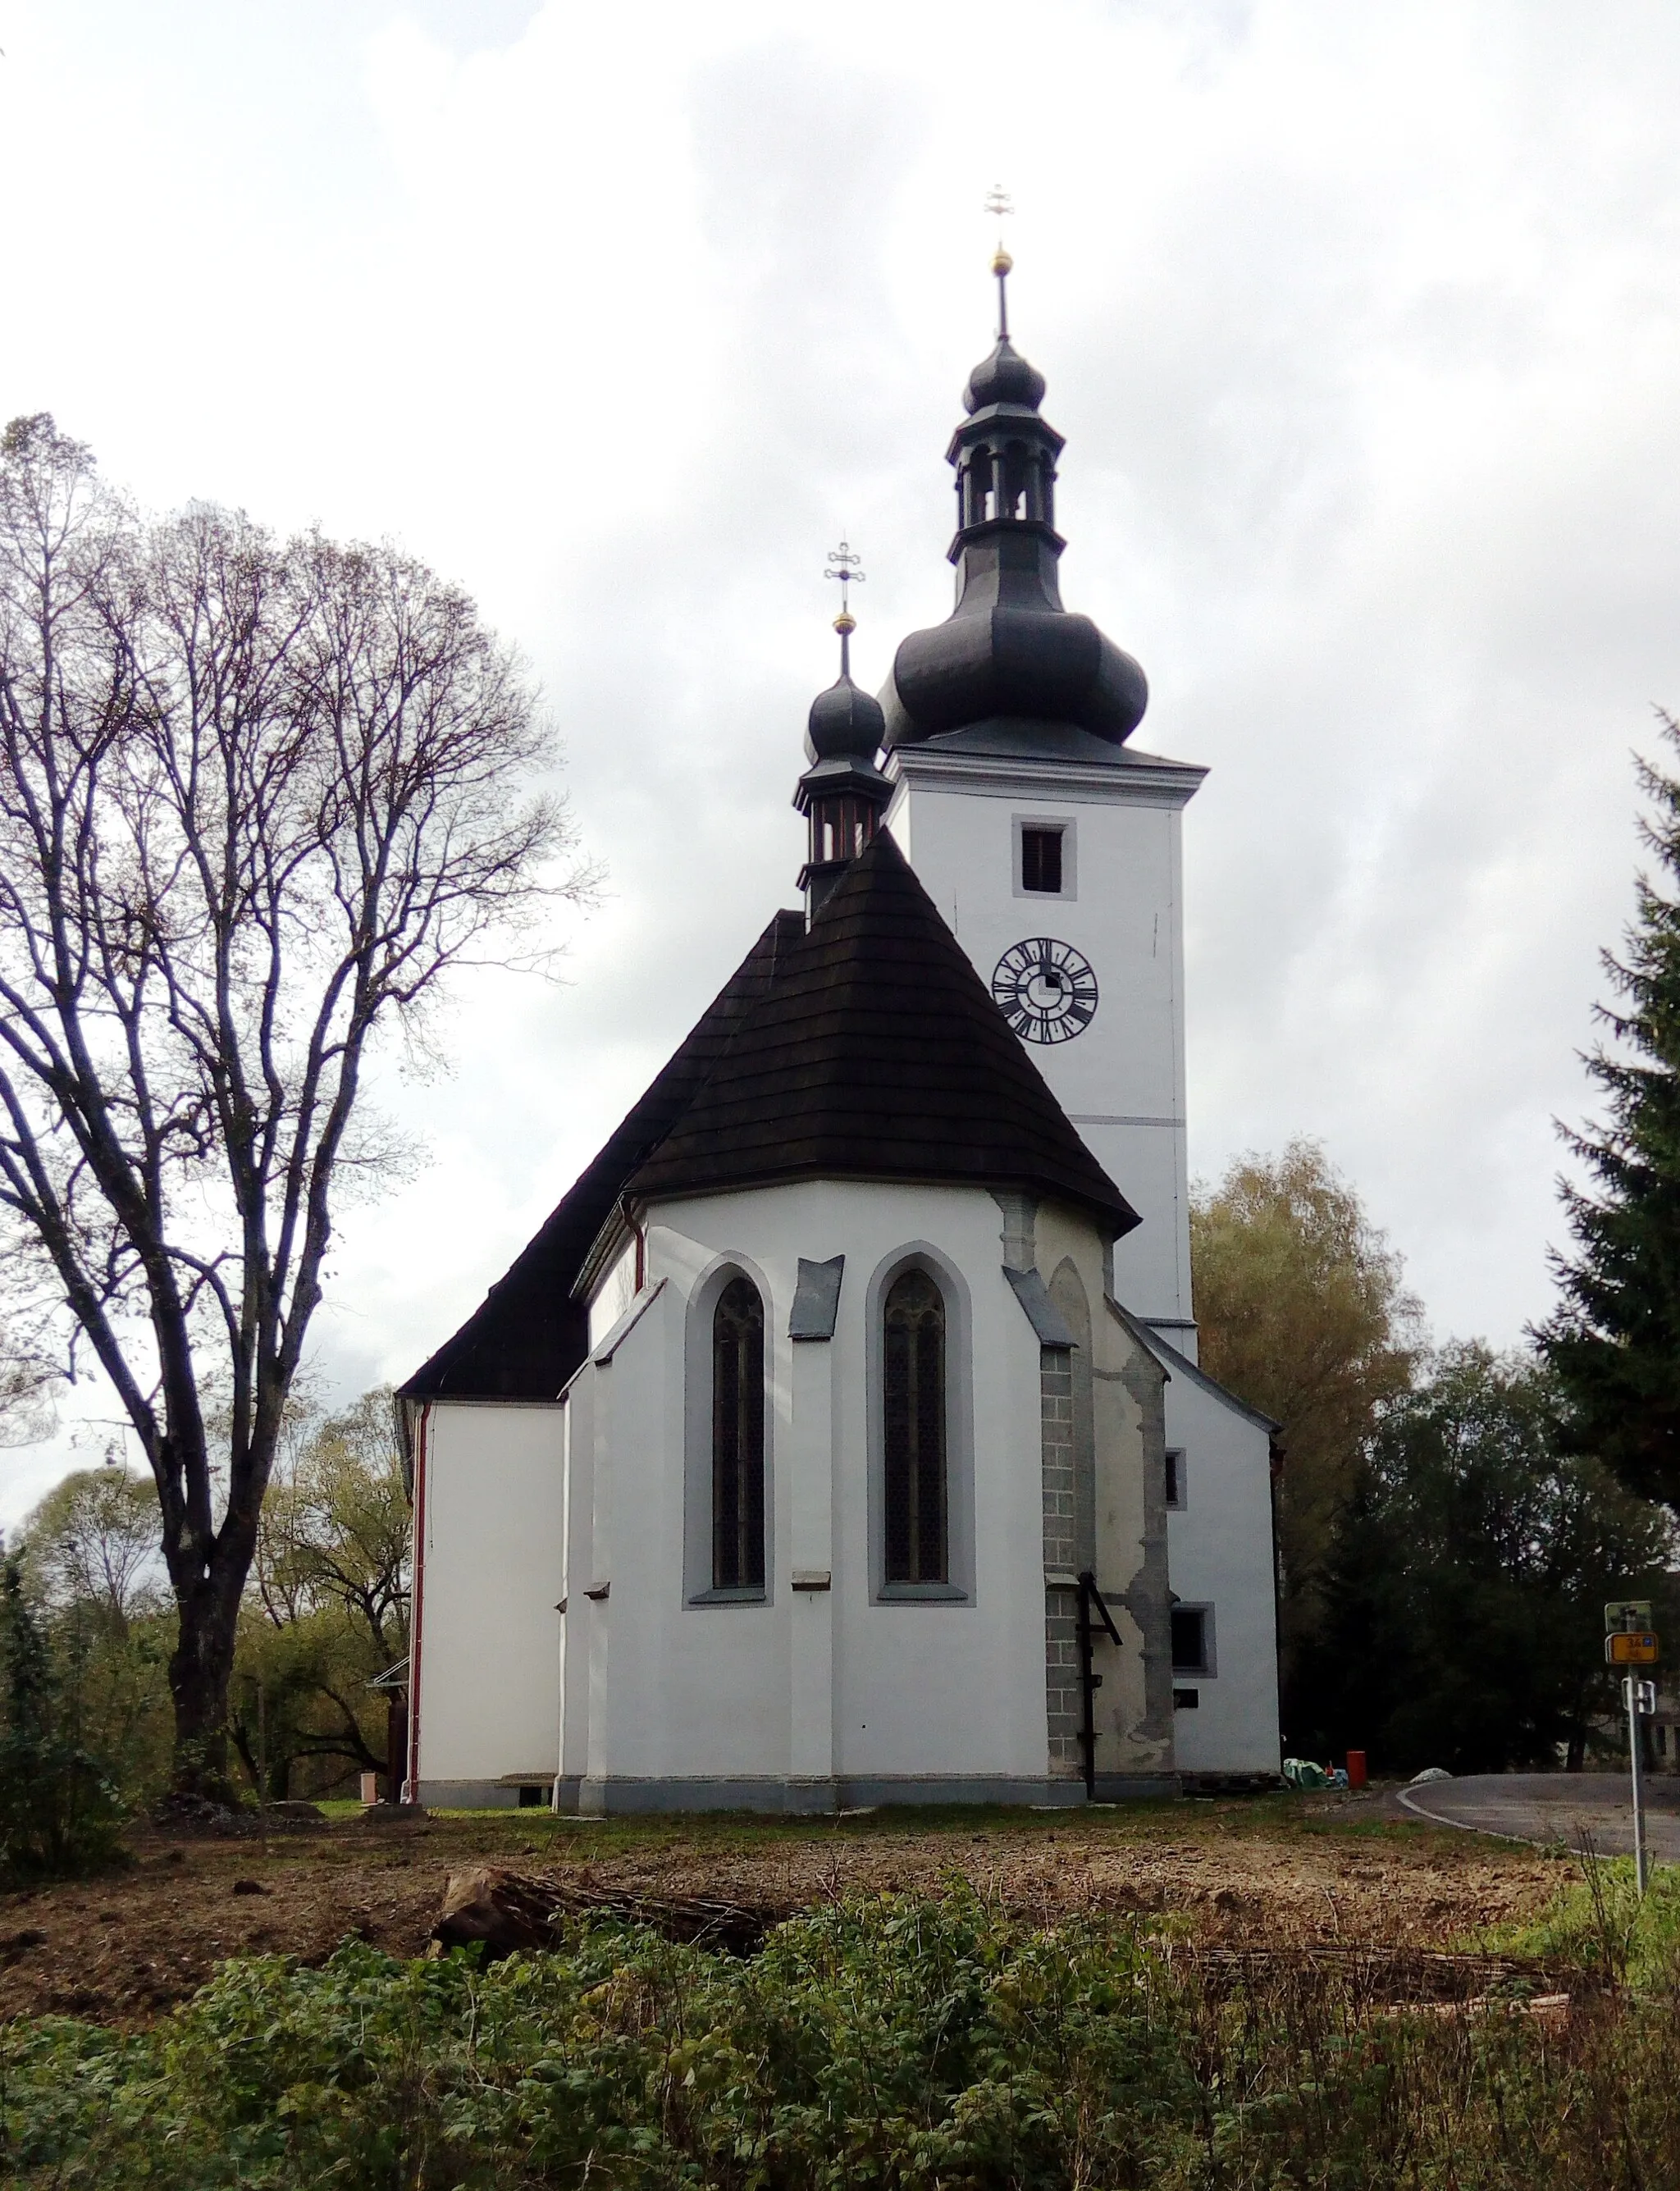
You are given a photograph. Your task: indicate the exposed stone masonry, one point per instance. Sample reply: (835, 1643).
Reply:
(1062, 1655)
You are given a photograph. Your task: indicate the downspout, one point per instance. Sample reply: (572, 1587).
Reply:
(1090, 1597)
(417, 1584)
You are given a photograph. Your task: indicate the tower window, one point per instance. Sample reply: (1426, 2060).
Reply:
(1042, 860)
(1193, 1639)
(914, 1393)
(738, 1438)
(1174, 1477)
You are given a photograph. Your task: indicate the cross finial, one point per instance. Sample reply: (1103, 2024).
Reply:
(1001, 206)
(848, 567)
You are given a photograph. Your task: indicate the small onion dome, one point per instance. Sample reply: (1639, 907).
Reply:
(1005, 376)
(844, 724)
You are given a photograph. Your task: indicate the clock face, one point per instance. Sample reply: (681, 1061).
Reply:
(1046, 990)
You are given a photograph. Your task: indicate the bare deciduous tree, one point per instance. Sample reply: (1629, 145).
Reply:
(93, 1541)
(257, 798)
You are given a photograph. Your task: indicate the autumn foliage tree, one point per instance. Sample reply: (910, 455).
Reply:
(257, 797)
(1301, 1311)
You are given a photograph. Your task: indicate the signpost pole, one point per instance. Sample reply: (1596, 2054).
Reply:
(1630, 1689)
(1631, 1641)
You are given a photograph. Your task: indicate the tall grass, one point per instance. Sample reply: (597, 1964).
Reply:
(891, 2043)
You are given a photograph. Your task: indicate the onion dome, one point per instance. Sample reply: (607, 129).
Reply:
(1010, 655)
(844, 793)
(1005, 376)
(845, 723)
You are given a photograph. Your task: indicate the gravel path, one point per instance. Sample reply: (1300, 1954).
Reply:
(1554, 1808)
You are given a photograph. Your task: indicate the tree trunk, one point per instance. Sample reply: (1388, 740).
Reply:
(201, 1670)
(1575, 1757)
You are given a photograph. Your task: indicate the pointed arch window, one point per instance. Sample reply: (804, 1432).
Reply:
(738, 1438)
(913, 1346)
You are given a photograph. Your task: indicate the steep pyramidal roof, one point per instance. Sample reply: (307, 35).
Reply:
(528, 1335)
(878, 1053)
(867, 1048)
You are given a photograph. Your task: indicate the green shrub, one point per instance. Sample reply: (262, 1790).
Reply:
(58, 1812)
(895, 2044)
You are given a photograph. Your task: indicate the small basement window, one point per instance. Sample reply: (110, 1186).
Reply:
(1175, 1476)
(1193, 1639)
(533, 1799)
(1042, 860)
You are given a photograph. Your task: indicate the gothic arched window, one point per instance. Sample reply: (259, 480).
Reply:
(912, 1355)
(738, 1438)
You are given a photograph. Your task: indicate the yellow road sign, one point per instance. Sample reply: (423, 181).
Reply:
(1629, 1649)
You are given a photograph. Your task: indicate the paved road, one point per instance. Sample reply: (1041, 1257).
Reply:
(1556, 1806)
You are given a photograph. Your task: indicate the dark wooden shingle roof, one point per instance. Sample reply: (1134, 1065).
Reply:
(528, 1335)
(867, 1048)
(877, 1052)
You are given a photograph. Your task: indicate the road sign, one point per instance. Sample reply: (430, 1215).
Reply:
(1625, 1649)
(1627, 1613)
(1639, 1696)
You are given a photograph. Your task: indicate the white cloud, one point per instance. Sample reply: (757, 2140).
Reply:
(1363, 326)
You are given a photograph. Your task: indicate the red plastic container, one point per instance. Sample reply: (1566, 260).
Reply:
(1356, 1768)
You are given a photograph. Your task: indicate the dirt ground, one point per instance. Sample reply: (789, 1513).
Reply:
(128, 1945)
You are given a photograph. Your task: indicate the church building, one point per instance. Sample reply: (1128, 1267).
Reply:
(840, 1439)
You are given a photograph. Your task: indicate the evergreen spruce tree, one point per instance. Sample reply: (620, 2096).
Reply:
(58, 1810)
(1613, 1342)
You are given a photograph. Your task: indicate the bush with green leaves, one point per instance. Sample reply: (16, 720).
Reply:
(899, 2044)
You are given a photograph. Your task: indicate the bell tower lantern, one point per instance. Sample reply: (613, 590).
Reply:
(843, 793)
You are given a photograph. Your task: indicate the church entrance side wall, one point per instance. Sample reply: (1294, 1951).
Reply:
(489, 1559)
(1221, 1558)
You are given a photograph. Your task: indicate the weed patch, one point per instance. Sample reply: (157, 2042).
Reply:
(896, 2042)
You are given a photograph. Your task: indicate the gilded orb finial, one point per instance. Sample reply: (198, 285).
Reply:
(848, 568)
(999, 204)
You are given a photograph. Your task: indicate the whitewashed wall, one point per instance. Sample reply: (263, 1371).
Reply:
(490, 1554)
(1122, 1079)
(1219, 1552)
(812, 1685)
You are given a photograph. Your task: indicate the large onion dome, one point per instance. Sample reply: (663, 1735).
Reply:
(1009, 652)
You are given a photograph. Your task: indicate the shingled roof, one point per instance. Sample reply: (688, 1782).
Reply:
(877, 1052)
(528, 1335)
(867, 1048)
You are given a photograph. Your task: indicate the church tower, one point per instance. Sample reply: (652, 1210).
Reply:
(1050, 845)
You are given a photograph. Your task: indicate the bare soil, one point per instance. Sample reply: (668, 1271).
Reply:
(129, 1944)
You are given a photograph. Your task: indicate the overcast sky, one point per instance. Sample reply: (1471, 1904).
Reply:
(1363, 326)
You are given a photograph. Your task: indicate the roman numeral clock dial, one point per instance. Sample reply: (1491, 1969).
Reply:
(1045, 989)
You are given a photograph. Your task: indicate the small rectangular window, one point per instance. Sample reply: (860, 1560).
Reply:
(1190, 1640)
(1042, 860)
(1187, 1699)
(1175, 1476)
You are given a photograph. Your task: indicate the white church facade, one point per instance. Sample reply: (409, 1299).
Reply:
(839, 1438)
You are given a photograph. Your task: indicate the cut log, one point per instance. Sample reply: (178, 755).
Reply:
(511, 1912)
